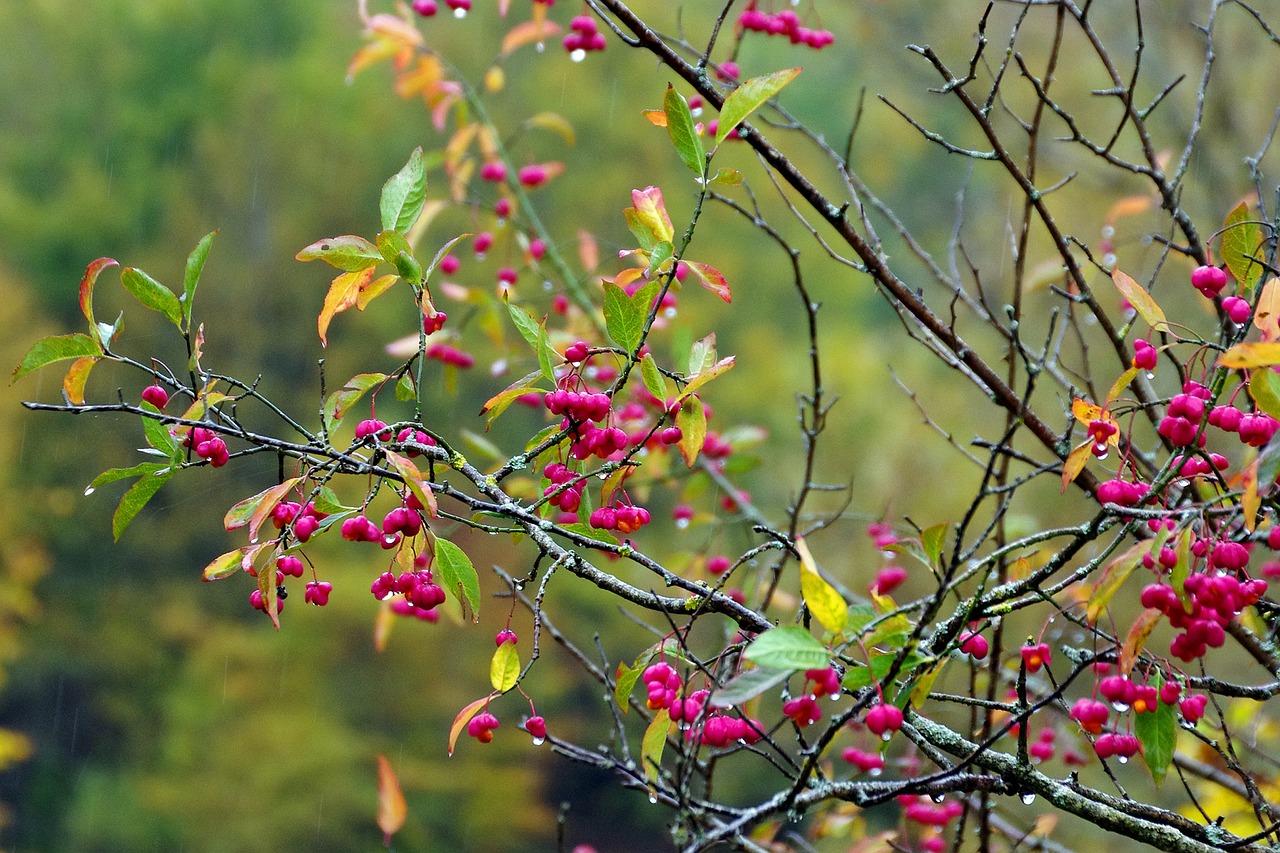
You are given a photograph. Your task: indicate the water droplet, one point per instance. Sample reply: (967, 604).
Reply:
(89, 490)
(681, 523)
(874, 771)
(1150, 375)
(1103, 455)
(459, 13)
(653, 798)
(540, 47)
(539, 741)
(1119, 707)
(1108, 231)
(479, 256)
(547, 285)
(938, 798)
(1028, 798)
(886, 737)
(578, 56)
(1109, 259)
(669, 313)
(1123, 759)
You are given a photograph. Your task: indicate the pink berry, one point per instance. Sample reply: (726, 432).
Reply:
(1036, 656)
(537, 727)
(533, 176)
(888, 579)
(1209, 280)
(449, 264)
(1237, 309)
(317, 593)
(156, 396)
(506, 635)
(883, 720)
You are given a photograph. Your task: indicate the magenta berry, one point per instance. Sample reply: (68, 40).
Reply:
(317, 593)
(865, 761)
(1209, 280)
(802, 710)
(481, 726)
(537, 728)
(506, 635)
(1237, 309)
(372, 427)
(450, 264)
(888, 579)
(482, 243)
(975, 645)
(533, 176)
(425, 8)
(884, 720)
(718, 564)
(1192, 708)
(1036, 656)
(156, 396)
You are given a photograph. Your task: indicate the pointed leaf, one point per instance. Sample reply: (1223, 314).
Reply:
(654, 381)
(1141, 301)
(343, 293)
(224, 566)
(710, 278)
(77, 377)
(413, 479)
(525, 324)
(748, 685)
(749, 97)
(1241, 243)
(1251, 501)
(789, 647)
(341, 401)
(529, 32)
(1075, 462)
(624, 316)
(647, 218)
(158, 435)
(348, 253)
(1157, 731)
(692, 420)
(726, 177)
(464, 717)
(504, 668)
(1136, 639)
(653, 744)
(1250, 355)
(498, 403)
(136, 498)
(822, 599)
(933, 540)
(56, 348)
(624, 682)
(254, 510)
(391, 243)
(683, 135)
(111, 475)
(702, 377)
(458, 575)
(152, 294)
(1112, 578)
(404, 194)
(392, 809)
(270, 596)
(1264, 388)
(702, 354)
(91, 273)
(1121, 383)
(191, 276)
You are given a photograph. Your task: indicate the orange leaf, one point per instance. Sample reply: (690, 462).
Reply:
(588, 250)
(658, 118)
(1249, 355)
(1075, 463)
(413, 479)
(392, 808)
(1266, 317)
(74, 382)
(529, 32)
(91, 274)
(344, 292)
(1084, 411)
(1251, 501)
(711, 278)
(1129, 206)
(1139, 298)
(1137, 638)
(374, 289)
(464, 717)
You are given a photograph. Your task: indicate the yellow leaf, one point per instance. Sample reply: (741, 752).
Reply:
(1084, 411)
(392, 808)
(1251, 501)
(1266, 316)
(653, 743)
(504, 668)
(823, 600)
(1139, 298)
(343, 293)
(555, 123)
(1121, 383)
(1076, 460)
(1250, 355)
(76, 378)
(464, 717)
(1137, 638)
(374, 289)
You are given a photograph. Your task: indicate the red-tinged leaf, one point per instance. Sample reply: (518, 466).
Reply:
(504, 668)
(654, 742)
(1249, 355)
(56, 348)
(204, 403)
(1075, 462)
(90, 278)
(822, 599)
(392, 809)
(254, 510)
(395, 28)
(710, 278)
(1241, 243)
(1266, 315)
(371, 54)
(692, 421)
(348, 253)
(1112, 578)
(588, 251)
(749, 97)
(270, 596)
(657, 118)
(464, 717)
(223, 567)
(73, 383)
(498, 403)
(382, 625)
(374, 289)
(1264, 388)
(1084, 411)
(529, 32)
(1121, 383)
(647, 218)
(413, 479)
(1136, 639)
(1251, 502)
(1141, 301)
(702, 377)
(343, 293)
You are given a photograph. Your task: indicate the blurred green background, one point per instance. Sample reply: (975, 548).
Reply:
(157, 713)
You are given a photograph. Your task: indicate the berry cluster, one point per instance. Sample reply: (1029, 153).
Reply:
(625, 518)
(305, 521)
(583, 37)
(784, 23)
(1214, 601)
(567, 498)
(207, 446)
(418, 588)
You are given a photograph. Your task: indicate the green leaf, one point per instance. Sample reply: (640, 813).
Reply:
(223, 566)
(404, 193)
(702, 354)
(253, 511)
(683, 134)
(624, 682)
(747, 686)
(653, 378)
(881, 662)
(111, 475)
(624, 316)
(789, 647)
(525, 323)
(1241, 242)
(547, 357)
(589, 532)
(158, 435)
(191, 277)
(504, 668)
(391, 243)
(726, 177)
(341, 401)
(1157, 731)
(749, 97)
(348, 253)
(136, 498)
(458, 575)
(692, 420)
(405, 388)
(1264, 388)
(933, 540)
(56, 348)
(498, 403)
(152, 294)
(653, 743)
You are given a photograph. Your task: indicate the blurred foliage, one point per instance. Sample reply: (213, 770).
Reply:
(165, 714)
